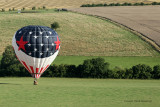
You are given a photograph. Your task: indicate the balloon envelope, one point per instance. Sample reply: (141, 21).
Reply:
(36, 47)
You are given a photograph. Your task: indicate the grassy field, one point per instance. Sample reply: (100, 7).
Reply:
(60, 92)
(18, 4)
(122, 62)
(80, 34)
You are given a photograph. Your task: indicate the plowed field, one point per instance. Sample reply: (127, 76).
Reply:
(143, 19)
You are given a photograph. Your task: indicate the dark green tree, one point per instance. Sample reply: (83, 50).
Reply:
(9, 63)
(44, 7)
(71, 71)
(34, 8)
(55, 25)
(62, 70)
(142, 71)
(95, 68)
(156, 72)
(3, 10)
(8, 58)
(120, 73)
(128, 74)
(86, 69)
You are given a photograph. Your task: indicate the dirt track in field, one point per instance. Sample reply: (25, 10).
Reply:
(143, 19)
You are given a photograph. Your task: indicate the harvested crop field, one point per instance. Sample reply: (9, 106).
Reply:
(19, 4)
(143, 19)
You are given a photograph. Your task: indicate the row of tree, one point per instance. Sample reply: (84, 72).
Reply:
(118, 4)
(91, 68)
(33, 8)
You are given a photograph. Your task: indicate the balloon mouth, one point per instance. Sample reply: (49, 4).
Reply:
(36, 75)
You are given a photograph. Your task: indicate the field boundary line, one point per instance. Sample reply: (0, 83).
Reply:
(139, 34)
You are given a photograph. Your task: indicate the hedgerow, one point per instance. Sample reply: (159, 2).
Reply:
(91, 68)
(118, 4)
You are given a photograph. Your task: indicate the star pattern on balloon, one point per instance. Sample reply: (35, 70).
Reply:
(21, 44)
(57, 43)
(38, 43)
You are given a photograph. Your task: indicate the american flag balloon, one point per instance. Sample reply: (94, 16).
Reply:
(36, 47)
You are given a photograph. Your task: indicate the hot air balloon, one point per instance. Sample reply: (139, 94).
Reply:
(36, 47)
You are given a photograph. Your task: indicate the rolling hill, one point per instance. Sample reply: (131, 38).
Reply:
(80, 35)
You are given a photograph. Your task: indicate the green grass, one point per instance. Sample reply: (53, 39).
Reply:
(66, 92)
(122, 62)
(80, 35)
(0, 57)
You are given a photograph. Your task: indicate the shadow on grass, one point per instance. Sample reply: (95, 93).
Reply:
(9, 84)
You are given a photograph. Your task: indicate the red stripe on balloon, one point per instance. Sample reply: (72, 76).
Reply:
(41, 70)
(45, 68)
(32, 69)
(26, 66)
(18, 58)
(38, 75)
(37, 69)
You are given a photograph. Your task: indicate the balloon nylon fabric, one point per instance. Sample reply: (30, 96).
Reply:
(36, 47)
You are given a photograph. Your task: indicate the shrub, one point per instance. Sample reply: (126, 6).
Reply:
(99, 5)
(62, 70)
(128, 74)
(105, 4)
(117, 4)
(64, 9)
(23, 8)
(93, 5)
(129, 4)
(10, 10)
(52, 71)
(156, 72)
(9, 63)
(120, 73)
(95, 68)
(55, 25)
(111, 4)
(3, 10)
(154, 3)
(142, 71)
(125, 4)
(13, 9)
(136, 4)
(71, 71)
(8, 57)
(44, 7)
(34, 8)
(80, 70)
(142, 3)
(83, 5)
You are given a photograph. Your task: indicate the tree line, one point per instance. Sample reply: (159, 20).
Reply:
(91, 68)
(120, 4)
